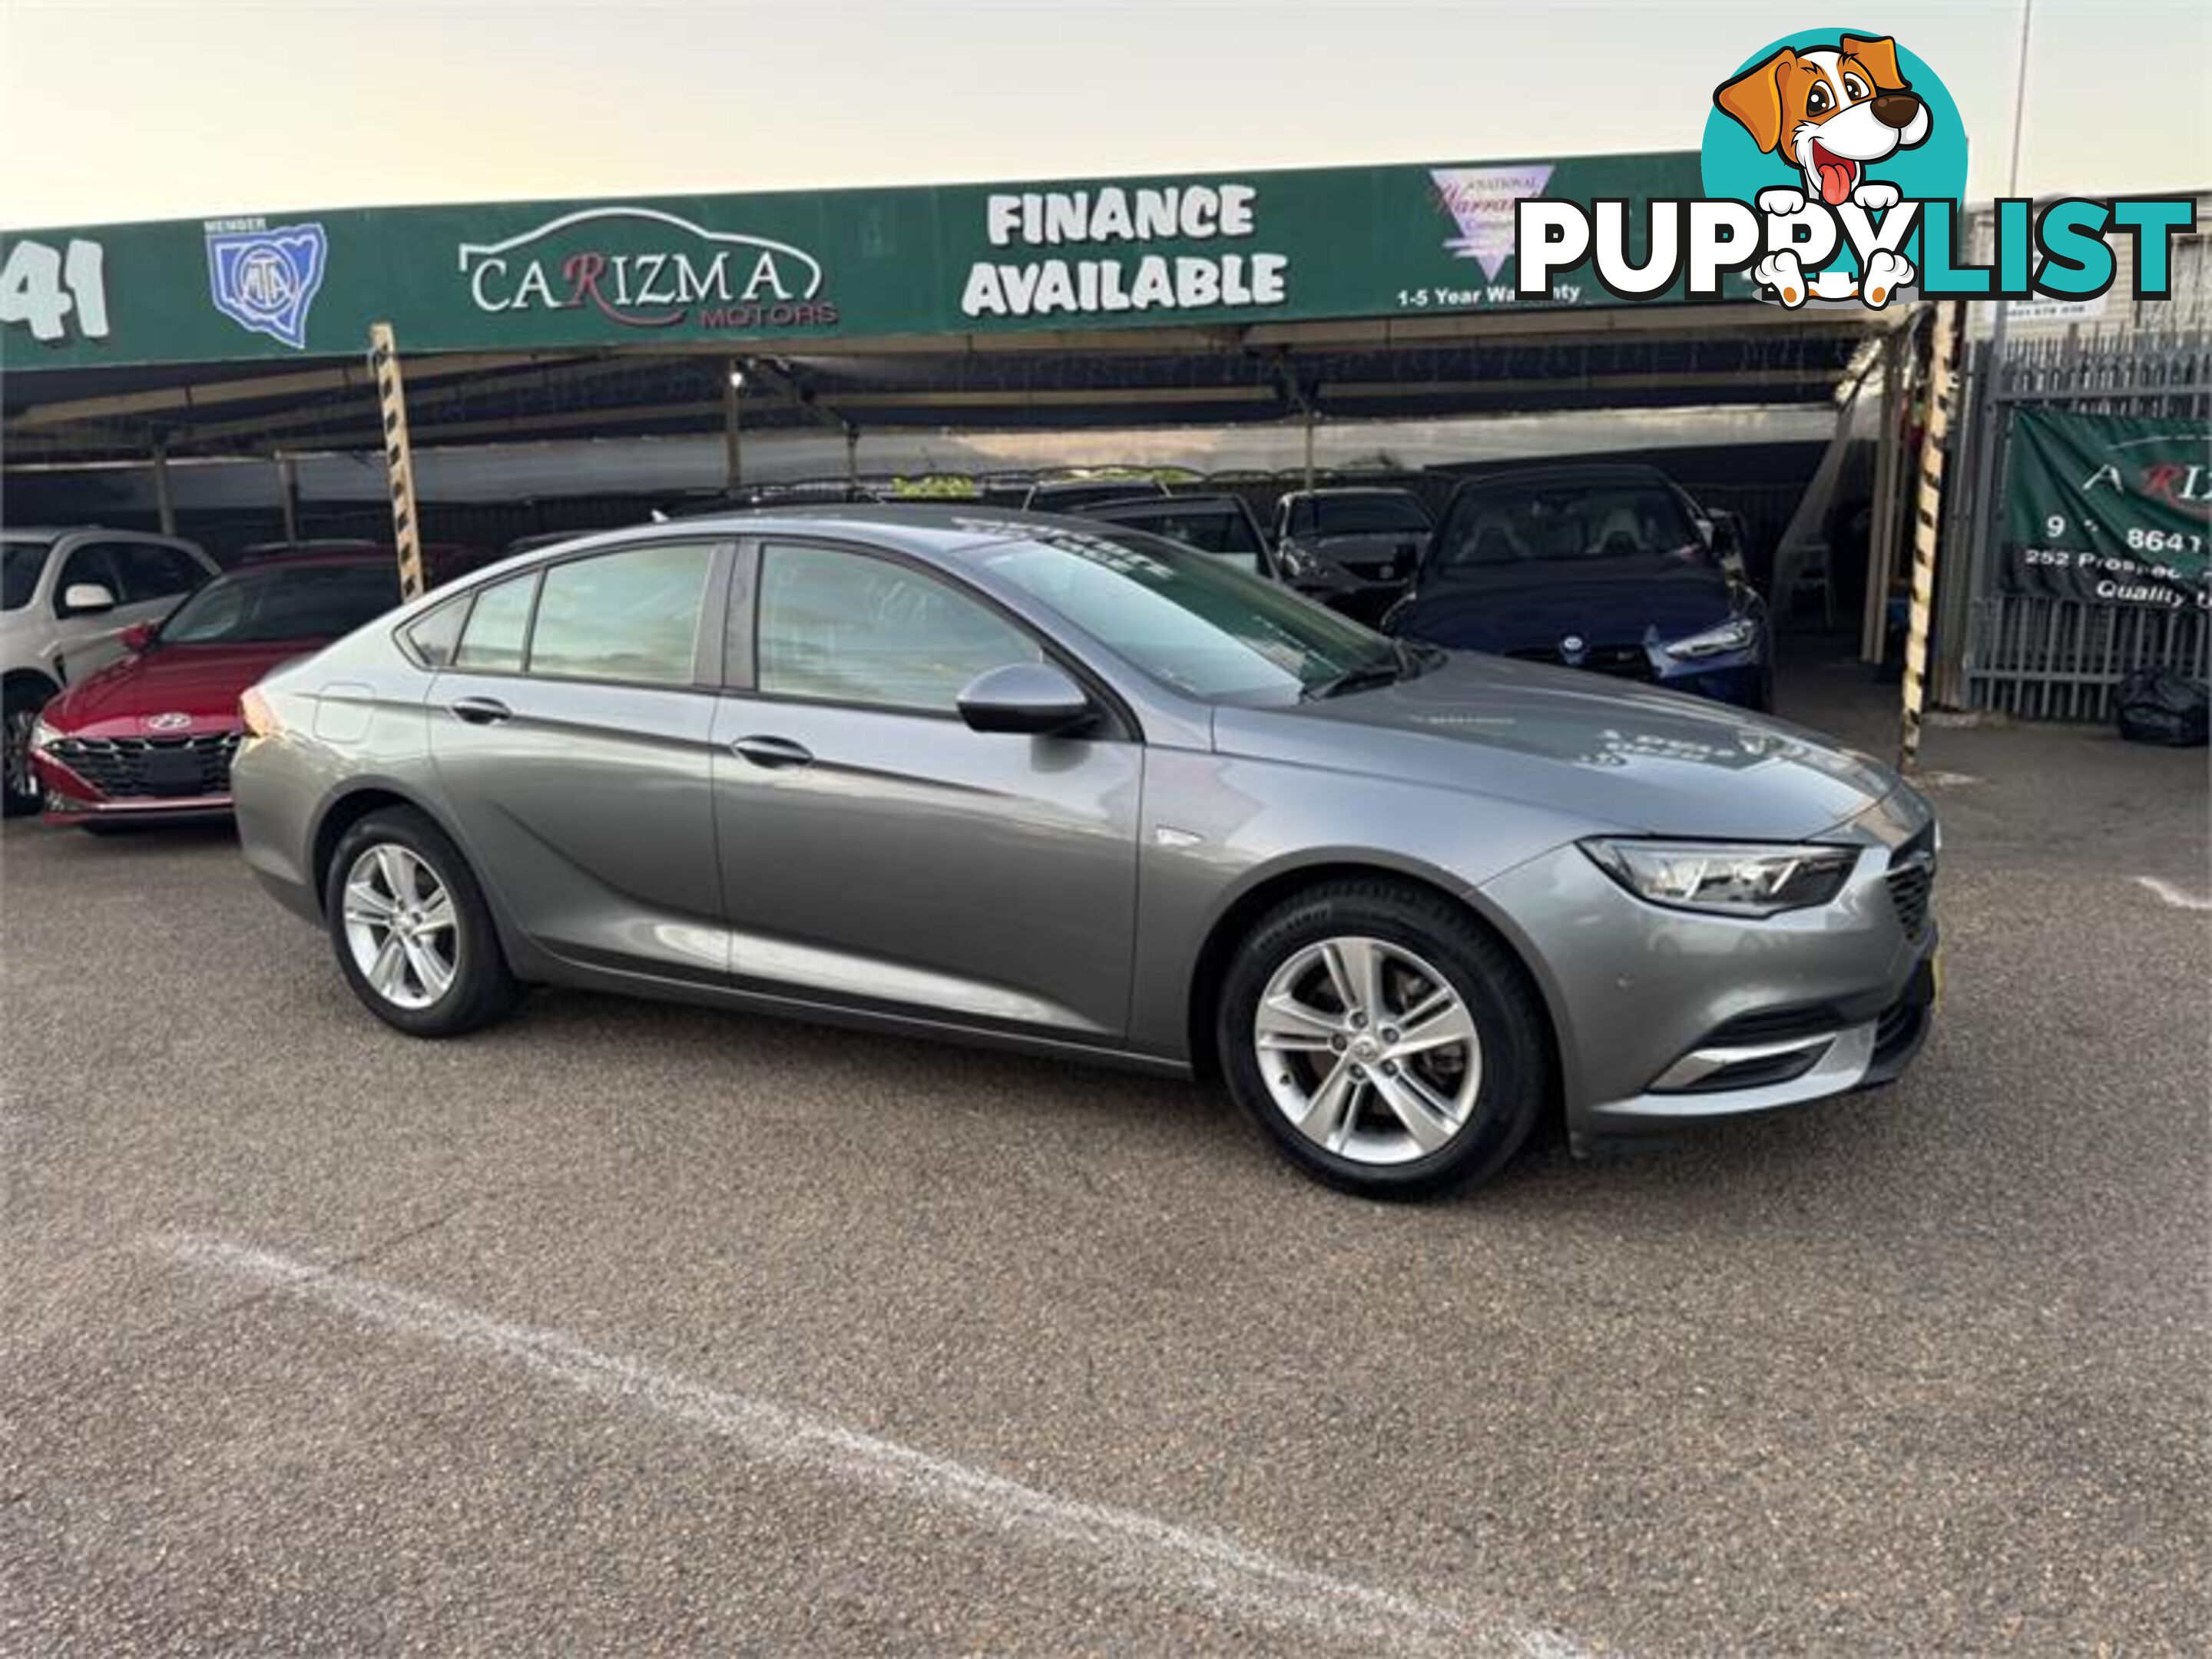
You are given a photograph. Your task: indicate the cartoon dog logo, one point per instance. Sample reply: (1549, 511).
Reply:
(1833, 111)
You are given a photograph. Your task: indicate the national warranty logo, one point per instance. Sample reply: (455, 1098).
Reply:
(265, 277)
(1834, 165)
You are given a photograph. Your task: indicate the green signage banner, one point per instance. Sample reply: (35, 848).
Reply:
(754, 269)
(2109, 508)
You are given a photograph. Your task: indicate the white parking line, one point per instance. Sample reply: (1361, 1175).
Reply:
(1137, 1548)
(2179, 897)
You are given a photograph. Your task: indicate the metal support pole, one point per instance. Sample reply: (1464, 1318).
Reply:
(165, 494)
(852, 457)
(1888, 516)
(287, 493)
(1309, 447)
(1942, 345)
(734, 462)
(399, 457)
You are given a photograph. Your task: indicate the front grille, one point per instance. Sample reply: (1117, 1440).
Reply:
(151, 768)
(1628, 662)
(1911, 880)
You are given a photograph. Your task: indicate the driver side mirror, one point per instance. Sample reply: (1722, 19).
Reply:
(85, 598)
(1037, 698)
(139, 637)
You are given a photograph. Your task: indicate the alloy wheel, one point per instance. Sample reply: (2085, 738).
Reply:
(1368, 1051)
(400, 926)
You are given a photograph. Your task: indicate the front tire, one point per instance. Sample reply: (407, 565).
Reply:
(414, 937)
(19, 784)
(1384, 1039)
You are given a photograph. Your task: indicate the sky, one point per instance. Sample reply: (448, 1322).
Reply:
(188, 109)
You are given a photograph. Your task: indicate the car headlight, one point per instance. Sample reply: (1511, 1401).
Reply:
(1734, 635)
(43, 736)
(1728, 879)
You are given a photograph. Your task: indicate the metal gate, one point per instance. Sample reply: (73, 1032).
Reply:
(2028, 654)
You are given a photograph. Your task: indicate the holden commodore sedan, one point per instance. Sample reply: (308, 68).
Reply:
(1084, 792)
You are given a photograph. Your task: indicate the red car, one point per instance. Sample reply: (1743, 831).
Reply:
(151, 737)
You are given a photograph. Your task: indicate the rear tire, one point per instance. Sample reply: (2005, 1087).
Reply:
(19, 789)
(1403, 1045)
(412, 933)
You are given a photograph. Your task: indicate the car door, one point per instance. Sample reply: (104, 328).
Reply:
(87, 639)
(571, 732)
(876, 851)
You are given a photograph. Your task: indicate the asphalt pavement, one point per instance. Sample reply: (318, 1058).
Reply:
(631, 1328)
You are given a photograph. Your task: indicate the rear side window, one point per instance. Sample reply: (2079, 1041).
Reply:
(631, 616)
(432, 637)
(21, 561)
(497, 626)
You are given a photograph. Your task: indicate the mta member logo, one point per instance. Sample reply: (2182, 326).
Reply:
(643, 268)
(265, 277)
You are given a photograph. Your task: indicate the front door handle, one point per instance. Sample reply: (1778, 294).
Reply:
(774, 753)
(481, 711)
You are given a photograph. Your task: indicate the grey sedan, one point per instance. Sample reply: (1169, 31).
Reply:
(1069, 787)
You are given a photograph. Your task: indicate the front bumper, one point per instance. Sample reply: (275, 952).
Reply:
(1665, 1015)
(62, 809)
(87, 780)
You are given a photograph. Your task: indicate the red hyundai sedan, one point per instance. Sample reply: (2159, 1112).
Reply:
(151, 737)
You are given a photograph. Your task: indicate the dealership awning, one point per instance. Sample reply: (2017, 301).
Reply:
(1379, 292)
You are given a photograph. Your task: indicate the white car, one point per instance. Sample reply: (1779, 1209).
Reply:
(66, 598)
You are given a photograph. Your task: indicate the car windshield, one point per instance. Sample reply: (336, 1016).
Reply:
(1215, 527)
(1360, 515)
(1195, 621)
(275, 602)
(1539, 522)
(21, 560)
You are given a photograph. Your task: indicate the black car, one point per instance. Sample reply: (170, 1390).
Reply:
(1609, 568)
(1353, 549)
(1221, 524)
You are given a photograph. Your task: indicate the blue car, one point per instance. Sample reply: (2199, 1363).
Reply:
(1611, 569)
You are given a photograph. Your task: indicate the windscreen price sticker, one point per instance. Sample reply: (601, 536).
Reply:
(53, 290)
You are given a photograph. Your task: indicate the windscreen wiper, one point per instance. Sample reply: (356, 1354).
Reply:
(1365, 677)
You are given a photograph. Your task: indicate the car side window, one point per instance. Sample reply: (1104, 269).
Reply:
(432, 636)
(630, 616)
(837, 626)
(89, 564)
(498, 626)
(150, 572)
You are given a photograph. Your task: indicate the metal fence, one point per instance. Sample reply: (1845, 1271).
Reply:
(2031, 655)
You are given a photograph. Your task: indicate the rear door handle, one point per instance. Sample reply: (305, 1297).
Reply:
(481, 711)
(774, 753)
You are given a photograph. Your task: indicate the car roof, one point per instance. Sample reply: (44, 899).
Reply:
(930, 529)
(1354, 490)
(54, 532)
(1150, 504)
(1591, 472)
(313, 556)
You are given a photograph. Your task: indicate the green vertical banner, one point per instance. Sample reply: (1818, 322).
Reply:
(2110, 508)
